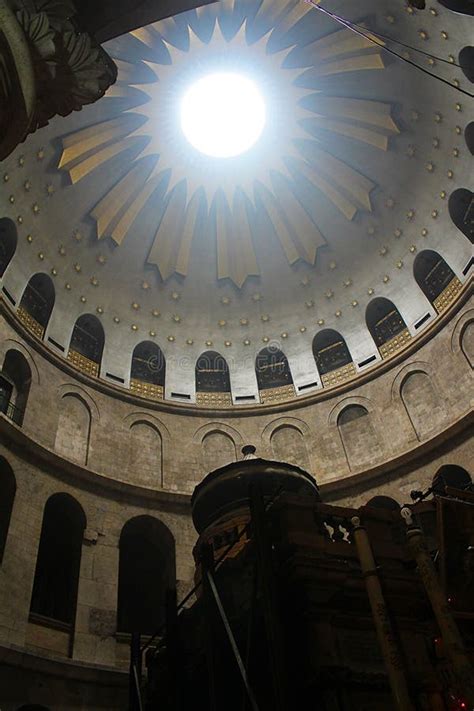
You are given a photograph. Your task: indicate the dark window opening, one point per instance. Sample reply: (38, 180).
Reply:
(88, 338)
(8, 243)
(469, 136)
(15, 381)
(212, 373)
(432, 273)
(351, 413)
(272, 369)
(466, 61)
(148, 364)
(451, 475)
(383, 320)
(330, 351)
(461, 210)
(59, 558)
(38, 298)
(146, 571)
(7, 496)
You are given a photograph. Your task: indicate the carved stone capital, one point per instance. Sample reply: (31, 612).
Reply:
(48, 67)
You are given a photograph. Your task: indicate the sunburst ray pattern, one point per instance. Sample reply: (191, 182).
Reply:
(251, 36)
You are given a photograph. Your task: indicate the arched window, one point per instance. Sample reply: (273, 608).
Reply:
(273, 371)
(469, 136)
(37, 303)
(8, 242)
(332, 354)
(212, 379)
(466, 61)
(451, 475)
(218, 449)
(288, 445)
(7, 496)
(461, 209)
(59, 557)
(465, 7)
(87, 344)
(147, 374)
(15, 381)
(147, 569)
(432, 275)
(386, 326)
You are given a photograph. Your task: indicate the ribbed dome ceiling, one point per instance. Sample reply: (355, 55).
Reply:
(350, 180)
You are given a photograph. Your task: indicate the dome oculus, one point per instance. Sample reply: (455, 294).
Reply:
(223, 114)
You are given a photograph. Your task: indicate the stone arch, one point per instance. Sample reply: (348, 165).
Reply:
(72, 388)
(383, 502)
(8, 243)
(451, 475)
(74, 428)
(467, 342)
(7, 497)
(152, 420)
(218, 449)
(422, 402)
(288, 444)
(37, 303)
(56, 579)
(147, 569)
(458, 345)
(12, 343)
(221, 427)
(146, 453)
(358, 436)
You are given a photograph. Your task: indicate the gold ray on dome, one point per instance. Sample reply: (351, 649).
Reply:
(159, 152)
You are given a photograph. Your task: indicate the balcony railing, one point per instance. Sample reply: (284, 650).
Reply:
(14, 413)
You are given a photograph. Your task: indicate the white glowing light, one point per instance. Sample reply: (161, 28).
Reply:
(223, 115)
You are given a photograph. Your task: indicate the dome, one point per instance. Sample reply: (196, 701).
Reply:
(329, 210)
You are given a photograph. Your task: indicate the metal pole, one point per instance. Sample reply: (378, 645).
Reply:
(452, 641)
(268, 588)
(383, 627)
(134, 696)
(207, 565)
(172, 644)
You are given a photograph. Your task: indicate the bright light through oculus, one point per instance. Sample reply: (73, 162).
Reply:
(223, 115)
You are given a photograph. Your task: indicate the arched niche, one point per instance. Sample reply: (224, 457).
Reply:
(422, 403)
(7, 497)
(8, 243)
(148, 370)
(386, 326)
(466, 62)
(146, 454)
(467, 342)
(461, 210)
(212, 380)
(273, 371)
(383, 502)
(453, 476)
(218, 449)
(74, 428)
(433, 275)
(37, 303)
(54, 596)
(147, 569)
(15, 381)
(288, 445)
(469, 136)
(87, 344)
(358, 436)
(332, 356)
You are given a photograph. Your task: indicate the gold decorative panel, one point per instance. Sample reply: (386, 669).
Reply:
(272, 395)
(448, 295)
(395, 344)
(87, 366)
(336, 377)
(148, 390)
(30, 322)
(214, 399)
